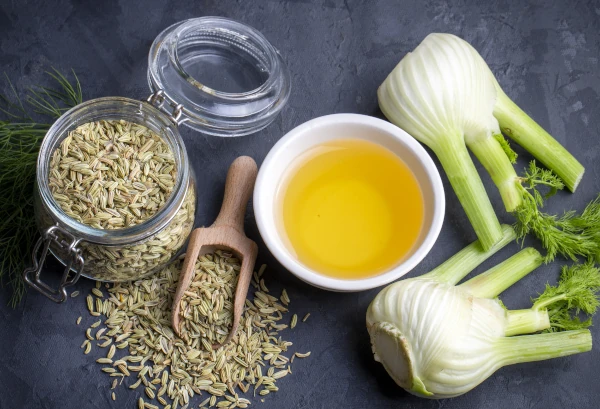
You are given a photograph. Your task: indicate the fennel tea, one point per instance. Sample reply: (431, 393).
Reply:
(350, 209)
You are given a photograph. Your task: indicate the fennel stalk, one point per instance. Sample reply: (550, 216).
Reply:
(518, 126)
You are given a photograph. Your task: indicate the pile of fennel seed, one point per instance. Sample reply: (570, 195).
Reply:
(144, 353)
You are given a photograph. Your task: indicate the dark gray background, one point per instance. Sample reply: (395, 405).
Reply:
(545, 54)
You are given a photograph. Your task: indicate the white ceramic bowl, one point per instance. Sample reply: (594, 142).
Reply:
(342, 126)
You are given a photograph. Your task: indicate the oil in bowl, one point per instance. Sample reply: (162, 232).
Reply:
(350, 209)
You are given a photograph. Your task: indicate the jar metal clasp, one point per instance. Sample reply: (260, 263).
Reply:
(157, 99)
(66, 242)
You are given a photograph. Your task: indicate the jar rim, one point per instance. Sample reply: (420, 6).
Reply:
(205, 108)
(114, 108)
(216, 23)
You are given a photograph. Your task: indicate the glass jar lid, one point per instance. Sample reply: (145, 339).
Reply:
(223, 77)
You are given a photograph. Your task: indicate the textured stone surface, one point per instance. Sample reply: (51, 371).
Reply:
(545, 54)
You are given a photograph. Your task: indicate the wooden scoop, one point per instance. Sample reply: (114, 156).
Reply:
(226, 233)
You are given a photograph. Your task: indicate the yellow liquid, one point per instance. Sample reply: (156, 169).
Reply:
(350, 208)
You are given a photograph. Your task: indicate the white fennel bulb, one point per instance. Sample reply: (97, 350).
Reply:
(441, 87)
(437, 339)
(445, 95)
(441, 94)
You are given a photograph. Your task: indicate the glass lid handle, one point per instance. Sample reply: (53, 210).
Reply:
(66, 242)
(157, 99)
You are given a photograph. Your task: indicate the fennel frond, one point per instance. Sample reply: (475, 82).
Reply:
(575, 293)
(571, 235)
(20, 138)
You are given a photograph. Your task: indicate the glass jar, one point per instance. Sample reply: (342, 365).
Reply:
(212, 74)
(115, 254)
(228, 78)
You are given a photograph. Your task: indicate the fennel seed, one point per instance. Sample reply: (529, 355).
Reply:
(104, 157)
(113, 175)
(111, 352)
(285, 299)
(104, 361)
(294, 321)
(175, 370)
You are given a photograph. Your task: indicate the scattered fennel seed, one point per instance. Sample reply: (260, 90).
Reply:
(285, 299)
(135, 317)
(306, 317)
(104, 361)
(294, 321)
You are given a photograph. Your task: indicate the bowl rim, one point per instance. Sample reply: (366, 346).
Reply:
(276, 245)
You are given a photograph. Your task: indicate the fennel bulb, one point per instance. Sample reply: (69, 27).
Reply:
(437, 339)
(442, 95)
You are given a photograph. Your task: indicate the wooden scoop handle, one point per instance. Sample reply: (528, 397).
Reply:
(238, 188)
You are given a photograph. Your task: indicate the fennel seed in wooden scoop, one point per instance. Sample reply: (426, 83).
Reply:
(226, 233)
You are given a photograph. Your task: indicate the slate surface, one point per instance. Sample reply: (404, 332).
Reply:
(545, 54)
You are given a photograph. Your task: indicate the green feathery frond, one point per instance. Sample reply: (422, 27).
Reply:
(575, 293)
(20, 139)
(570, 235)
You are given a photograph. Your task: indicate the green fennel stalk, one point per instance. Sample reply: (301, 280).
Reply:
(571, 235)
(556, 309)
(492, 153)
(522, 129)
(518, 126)
(20, 138)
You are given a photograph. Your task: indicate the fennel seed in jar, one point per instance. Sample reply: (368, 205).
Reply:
(114, 175)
